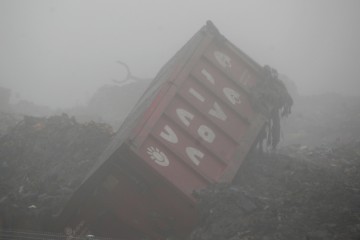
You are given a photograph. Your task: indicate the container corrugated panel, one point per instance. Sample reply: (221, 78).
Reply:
(193, 127)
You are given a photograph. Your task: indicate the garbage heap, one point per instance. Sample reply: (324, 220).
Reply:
(42, 162)
(296, 193)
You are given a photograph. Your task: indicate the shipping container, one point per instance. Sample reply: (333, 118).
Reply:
(193, 127)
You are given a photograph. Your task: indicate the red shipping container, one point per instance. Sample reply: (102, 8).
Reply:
(192, 127)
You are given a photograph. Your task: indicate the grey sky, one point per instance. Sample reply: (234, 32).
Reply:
(59, 52)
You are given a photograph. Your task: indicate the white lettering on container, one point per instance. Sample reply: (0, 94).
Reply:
(208, 76)
(217, 112)
(206, 133)
(197, 95)
(184, 116)
(169, 134)
(223, 59)
(194, 155)
(158, 156)
(232, 95)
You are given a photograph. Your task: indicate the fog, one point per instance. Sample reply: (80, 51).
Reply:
(58, 53)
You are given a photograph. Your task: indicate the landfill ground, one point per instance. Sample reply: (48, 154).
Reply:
(306, 189)
(295, 193)
(42, 161)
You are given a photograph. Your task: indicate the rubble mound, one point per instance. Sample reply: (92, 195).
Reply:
(297, 193)
(42, 162)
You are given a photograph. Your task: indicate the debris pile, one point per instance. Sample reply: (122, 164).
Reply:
(42, 161)
(297, 193)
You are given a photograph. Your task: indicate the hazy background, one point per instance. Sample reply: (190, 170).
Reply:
(58, 53)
